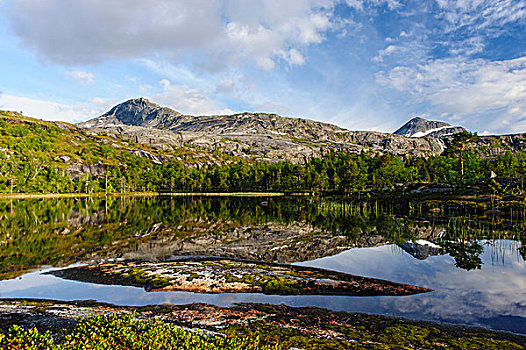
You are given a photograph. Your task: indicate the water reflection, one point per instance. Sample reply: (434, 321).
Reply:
(60, 232)
(477, 280)
(492, 296)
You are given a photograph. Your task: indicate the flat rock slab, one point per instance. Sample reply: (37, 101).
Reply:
(224, 275)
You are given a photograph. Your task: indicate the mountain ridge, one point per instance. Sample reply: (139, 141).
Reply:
(259, 136)
(272, 138)
(151, 115)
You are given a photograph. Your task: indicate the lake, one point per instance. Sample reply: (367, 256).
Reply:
(472, 259)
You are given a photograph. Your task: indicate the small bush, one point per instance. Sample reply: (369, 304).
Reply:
(123, 331)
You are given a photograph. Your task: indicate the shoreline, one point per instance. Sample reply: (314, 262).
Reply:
(274, 324)
(140, 194)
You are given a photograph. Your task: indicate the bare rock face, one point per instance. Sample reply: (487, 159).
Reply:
(137, 112)
(142, 113)
(420, 127)
(260, 136)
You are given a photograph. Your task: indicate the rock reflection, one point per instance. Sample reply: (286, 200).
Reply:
(60, 232)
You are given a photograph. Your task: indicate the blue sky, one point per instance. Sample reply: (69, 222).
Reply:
(360, 64)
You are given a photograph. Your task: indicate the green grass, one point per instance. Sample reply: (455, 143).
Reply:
(123, 331)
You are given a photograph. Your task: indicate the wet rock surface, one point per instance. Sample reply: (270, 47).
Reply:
(220, 275)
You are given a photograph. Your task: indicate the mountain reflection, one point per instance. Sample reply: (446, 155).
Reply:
(58, 232)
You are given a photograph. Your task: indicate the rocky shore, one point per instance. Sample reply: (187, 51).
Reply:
(291, 327)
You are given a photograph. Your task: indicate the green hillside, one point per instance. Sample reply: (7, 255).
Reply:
(54, 157)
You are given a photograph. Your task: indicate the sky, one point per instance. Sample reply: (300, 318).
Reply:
(359, 64)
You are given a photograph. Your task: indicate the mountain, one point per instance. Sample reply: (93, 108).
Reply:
(258, 136)
(138, 112)
(420, 127)
(143, 113)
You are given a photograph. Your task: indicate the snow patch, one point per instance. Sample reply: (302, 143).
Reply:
(427, 243)
(427, 132)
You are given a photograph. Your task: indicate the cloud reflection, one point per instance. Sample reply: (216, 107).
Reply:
(491, 297)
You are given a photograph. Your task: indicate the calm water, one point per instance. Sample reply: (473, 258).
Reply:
(480, 281)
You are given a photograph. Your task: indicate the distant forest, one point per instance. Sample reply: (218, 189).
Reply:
(29, 152)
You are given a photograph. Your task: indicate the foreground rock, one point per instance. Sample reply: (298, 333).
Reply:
(290, 327)
(218, 275)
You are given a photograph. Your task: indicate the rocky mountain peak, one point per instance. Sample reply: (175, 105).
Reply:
(136, 112)
(420, 127)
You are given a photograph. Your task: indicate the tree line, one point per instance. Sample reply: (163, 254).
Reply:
(32, 161)
(341, 172)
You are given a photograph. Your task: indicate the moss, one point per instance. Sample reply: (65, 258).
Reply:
(348, 331)
(280, 285)
(482, 343)
(307, 274)
(156, 309)
(288, 337)
(266, 308)
(192, 277)
(140, 277)
(375, 336)
(405, 335)
(268, 284)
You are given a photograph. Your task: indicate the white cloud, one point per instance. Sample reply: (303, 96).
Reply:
(226, 86)
(476, 15)
(131, 79)
(215, 33)
(293, 57)
(269, 107)
(389, 50)
(48, 110)
(187, 100)
(360, 4)
(81, 78)
(489, 95)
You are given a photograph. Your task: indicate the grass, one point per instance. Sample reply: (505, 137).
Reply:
(124, 331)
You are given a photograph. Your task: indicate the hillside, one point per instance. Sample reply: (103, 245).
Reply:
(55, 157)
(42, 156)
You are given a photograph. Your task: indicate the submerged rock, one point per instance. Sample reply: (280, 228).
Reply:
(224, 275)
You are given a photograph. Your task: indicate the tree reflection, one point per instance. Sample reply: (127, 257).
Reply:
(466, 254)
